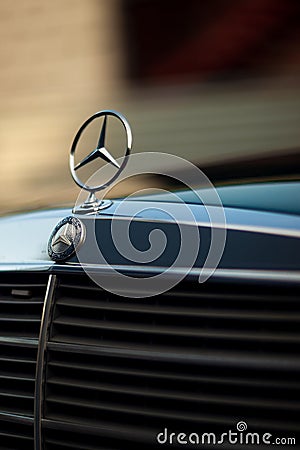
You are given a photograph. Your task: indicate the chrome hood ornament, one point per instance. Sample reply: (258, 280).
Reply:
(92, 204)
(70, 232)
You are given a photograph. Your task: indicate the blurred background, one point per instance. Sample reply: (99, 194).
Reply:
(215, 82)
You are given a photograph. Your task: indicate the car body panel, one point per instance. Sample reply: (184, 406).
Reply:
(256, 239)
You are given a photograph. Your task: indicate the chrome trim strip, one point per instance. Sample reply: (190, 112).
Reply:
(39, 377)
(16, 418)
(254, 274)
(26, 266)
(239, 274)
(24, 342)
(263, 230)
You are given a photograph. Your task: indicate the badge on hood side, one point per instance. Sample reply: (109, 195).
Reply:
(66, 238)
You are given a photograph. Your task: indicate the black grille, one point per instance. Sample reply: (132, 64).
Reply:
(16, 435)
(198, 359)
(21, 303)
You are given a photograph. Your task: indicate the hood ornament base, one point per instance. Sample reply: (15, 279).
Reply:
(92, 205)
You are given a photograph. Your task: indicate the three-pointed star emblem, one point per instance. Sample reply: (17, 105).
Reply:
(64, 236)
(100, 151)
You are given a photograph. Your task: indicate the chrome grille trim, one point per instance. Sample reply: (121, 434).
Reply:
(39, 377)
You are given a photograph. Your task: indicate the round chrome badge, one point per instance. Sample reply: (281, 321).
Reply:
(66, 238)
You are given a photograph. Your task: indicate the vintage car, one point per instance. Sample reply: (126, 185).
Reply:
(90, 362)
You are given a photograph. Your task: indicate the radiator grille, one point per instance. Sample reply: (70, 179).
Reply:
(199, 358)
(16, 436)
(21, 303)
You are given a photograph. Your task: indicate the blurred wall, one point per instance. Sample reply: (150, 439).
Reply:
(63, 60)
(60, 61)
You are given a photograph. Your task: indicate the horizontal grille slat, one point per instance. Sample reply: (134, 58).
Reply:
(96, 436)
(217, 359)
(56, 444)
(18, 395)
(134, 374)
(12, 377)
(16, 436)
(26, 360)
(9, 319)
(168, 331)
(141, 416)
(115, 390)
(156, 310)
(92, 291)
(32, 303)
(197, 358)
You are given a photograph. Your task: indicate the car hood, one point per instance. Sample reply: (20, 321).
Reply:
(274, 196)
(262, 222)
